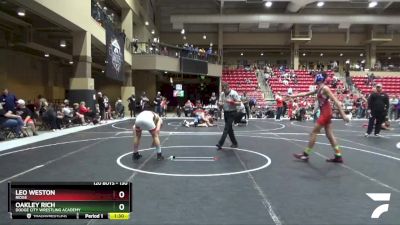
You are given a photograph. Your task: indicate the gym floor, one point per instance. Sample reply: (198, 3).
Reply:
(257, 183)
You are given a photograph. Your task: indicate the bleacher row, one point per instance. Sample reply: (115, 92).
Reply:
(304, 81)
(241, 81)
(391, 84)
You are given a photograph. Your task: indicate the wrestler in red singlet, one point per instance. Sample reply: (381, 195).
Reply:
(323, 95)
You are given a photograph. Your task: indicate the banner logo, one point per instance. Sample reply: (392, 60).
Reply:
(116, 54)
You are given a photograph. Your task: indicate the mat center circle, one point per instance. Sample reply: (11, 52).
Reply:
(228, 151)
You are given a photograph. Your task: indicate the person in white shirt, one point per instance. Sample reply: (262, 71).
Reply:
(230, 100)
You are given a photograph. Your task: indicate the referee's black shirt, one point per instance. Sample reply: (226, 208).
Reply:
(378, 102)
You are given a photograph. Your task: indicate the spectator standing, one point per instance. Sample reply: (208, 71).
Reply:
(8, 100)
(135, 44)
(144, 100)
(213, 104)
(132, 105)
(279, 106)
(378, 105)
(394, 101)
(348, 80)
(164, 106)
(157, 103)
(245, 100)
(102, 107)
(107, 108)
(359, 106)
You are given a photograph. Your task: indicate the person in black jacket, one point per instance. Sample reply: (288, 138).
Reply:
(378, 105)
(102, 107)
(132, 105)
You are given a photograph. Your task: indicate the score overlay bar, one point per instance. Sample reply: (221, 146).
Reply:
(72, 200)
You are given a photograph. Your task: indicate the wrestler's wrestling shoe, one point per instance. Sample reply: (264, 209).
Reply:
(336, 159)
(136, 156)
(301, 156)
(160, 157)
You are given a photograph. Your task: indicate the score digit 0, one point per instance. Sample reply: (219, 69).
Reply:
(121, 194)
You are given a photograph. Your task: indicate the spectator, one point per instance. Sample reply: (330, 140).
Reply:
(279, 106)
(284, 109)
(290, 109)
(241, 112)
(32, 107)
(335, 82)
(132, 105)
(394, 101)
(359, 106)
(295, 81)
(348, 80)
(285, 82)
(378, 104)
(9, 120)
(398, 110)
(102, 107)
(348, 104)
(245, 101)
(290, 91)
(164, 51)
(78, 116)
(213, 104)
(86, 111)
(135, 44)
(144, 101)
(164, 106)
(107, 108)
(188, 108)
(157, 103)
(26, 115)
(8, 100)
(370, 79)
(120, 109)
(49, 115)
(68, 113)
(252, 103)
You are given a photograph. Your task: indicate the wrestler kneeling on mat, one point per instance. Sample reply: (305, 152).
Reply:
(147, 120)
(201, 119)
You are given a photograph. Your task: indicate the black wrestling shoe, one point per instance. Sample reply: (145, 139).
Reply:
(219, 147)
(160, 157)
(301, 156)
(136, 156)
(336, 159)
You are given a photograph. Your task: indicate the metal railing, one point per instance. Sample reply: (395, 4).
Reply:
(154, 48)
(99, 13)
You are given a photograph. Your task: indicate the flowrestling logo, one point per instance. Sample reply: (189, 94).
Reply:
(379, 197)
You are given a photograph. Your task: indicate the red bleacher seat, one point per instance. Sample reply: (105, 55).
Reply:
(390, 84)
(237, 81)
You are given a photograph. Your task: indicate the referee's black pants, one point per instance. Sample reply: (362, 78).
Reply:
(229, 117)
(380, 118)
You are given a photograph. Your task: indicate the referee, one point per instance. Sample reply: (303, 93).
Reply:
(378, 105)
(230, 100)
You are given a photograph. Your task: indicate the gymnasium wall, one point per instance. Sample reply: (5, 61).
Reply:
(27, 76)
(108, 87)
